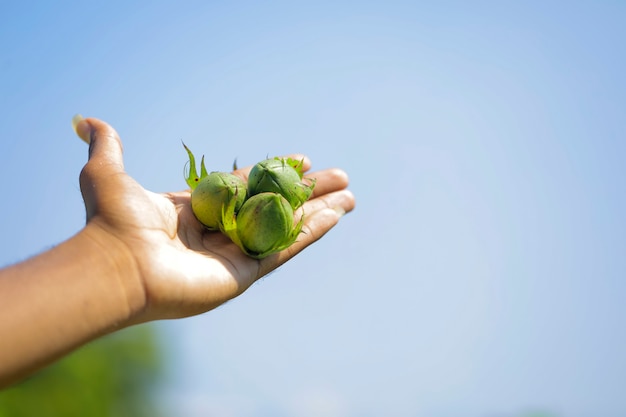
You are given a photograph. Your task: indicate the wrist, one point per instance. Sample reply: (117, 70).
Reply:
(114, 270)
(83, 288)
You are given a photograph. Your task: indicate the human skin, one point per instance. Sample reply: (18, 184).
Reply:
(141, 256)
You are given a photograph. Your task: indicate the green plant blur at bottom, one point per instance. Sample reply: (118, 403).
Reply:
(114, 376)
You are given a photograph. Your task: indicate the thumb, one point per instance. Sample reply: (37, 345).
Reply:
(99, 175)
(105, 146)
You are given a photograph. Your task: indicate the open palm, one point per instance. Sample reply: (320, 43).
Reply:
(182, 268)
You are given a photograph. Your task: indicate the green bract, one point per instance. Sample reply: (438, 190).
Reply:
(283, 176)
(210, 192)
(263, 225)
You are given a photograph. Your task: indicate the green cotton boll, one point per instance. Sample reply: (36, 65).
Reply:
(212, 193)
(280, 175)
(259, 223)
(265, 223)
(263, 226)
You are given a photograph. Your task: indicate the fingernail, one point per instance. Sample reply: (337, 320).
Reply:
(76, 120)
(83, 132)
(339, 210)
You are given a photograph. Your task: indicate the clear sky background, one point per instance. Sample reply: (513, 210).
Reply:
(483, 272)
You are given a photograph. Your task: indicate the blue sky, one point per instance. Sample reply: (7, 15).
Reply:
(482, 273)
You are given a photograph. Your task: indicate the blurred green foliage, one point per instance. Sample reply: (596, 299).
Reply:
(113, 376)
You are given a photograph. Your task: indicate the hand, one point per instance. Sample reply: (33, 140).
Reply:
(171, 265)
(142, 256)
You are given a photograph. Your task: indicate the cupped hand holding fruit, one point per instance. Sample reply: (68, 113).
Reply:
(172, 265)
(145, 256)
